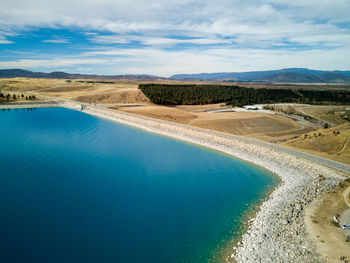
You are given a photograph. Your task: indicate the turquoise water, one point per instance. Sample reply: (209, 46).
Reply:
(76, 188)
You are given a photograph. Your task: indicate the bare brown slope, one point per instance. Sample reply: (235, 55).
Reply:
(332, 143)
(329, 238)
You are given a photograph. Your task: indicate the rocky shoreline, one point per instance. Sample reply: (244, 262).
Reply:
(33, 105)
(277, 233)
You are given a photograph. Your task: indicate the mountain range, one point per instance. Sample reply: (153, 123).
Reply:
(20, 73)
(288, 75)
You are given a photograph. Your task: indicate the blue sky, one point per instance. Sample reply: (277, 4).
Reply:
(168, 37)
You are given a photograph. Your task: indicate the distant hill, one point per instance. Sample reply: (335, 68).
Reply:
(13, 73)
(288, 75)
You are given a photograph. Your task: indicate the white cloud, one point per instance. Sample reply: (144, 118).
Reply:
(156, 41)
(252, 34)
(221, 16)
(22, 52)
(3, 40)
(102, 39)
(49, 63)
(57, 40)
(165, 63)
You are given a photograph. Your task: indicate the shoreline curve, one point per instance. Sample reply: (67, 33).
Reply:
(277, 233)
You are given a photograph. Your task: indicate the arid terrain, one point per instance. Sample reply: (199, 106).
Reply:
(296, 126)
(251, 124)
(331, 240)
(332, 143)
(79, 90)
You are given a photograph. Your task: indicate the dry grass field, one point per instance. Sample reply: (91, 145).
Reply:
(160, 112)
(98, 93)
(25, 84)
(331, 143)
(333, 115)
(252, 124)
(79, 90)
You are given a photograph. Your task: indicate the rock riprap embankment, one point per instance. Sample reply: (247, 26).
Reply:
(277, 232)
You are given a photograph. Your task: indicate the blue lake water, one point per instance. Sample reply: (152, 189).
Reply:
(76, 188)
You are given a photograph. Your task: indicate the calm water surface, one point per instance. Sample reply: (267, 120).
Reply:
(76, 188)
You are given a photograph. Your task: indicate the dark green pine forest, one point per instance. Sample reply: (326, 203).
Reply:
(166, 94)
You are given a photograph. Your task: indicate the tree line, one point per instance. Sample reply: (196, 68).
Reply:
(169, 94)
(14, 96)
